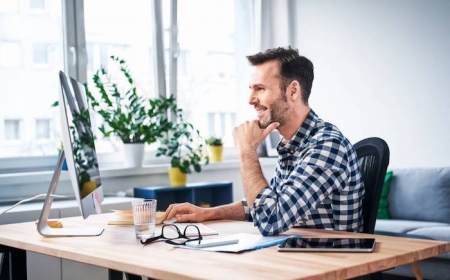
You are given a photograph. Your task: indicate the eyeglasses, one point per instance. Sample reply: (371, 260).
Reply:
(171, 232)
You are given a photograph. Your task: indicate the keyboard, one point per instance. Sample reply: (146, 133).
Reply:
(204, 230)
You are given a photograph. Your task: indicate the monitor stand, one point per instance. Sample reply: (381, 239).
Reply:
(42, 225)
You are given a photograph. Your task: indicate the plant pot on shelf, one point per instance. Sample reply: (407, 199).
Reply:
(176, 177)
(133, 154)
(216, 153)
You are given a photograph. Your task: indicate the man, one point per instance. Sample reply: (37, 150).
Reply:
(317, 181)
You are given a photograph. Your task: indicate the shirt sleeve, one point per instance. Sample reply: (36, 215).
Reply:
(315, 175)
(248, 217)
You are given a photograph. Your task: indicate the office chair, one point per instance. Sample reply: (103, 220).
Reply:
(373, 158)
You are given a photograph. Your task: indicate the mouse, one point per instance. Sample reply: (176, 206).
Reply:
(171, 221)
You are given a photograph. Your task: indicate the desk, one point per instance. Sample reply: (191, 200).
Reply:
(117, 249)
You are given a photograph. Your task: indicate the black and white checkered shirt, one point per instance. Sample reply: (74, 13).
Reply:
(317, 183)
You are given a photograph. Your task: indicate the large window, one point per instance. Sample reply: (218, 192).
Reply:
(32, 53)
(127, 35)
(208, 90)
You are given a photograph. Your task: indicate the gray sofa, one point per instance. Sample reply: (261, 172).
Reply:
(419, 206)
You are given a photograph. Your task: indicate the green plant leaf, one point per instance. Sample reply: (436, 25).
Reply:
(129, 115)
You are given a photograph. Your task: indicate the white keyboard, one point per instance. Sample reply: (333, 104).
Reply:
(204, 230)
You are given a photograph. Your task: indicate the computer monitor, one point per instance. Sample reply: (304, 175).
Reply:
(81, 158)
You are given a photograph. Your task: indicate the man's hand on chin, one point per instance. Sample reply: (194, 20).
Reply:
(248, 136)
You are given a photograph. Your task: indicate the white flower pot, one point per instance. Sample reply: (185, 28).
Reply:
(133, 154)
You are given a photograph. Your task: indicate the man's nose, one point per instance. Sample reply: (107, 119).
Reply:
(253, 99)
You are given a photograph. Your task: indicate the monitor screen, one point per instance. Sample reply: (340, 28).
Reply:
(79, 147)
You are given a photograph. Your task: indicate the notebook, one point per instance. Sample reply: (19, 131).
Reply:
(125, 217)
(247, 241)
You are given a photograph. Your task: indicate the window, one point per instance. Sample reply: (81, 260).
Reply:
(99, 53)
(126, 35)
(41, 53)
(220, 124)
(42, 129)
(184, 64)
(207, 84)
(13, 130)
(223, 70)
(208, 55)
(37, 4)
(10, 54)
(26, 91)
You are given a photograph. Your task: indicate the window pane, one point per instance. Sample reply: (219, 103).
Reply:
(40, 53)
(207, 83)
(127, 35)
(26, 91)
(43, 129)
(12, 130)
(37, 4)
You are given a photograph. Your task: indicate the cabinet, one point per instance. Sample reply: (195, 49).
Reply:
(201, 194)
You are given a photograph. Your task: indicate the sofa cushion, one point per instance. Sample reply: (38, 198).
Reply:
(438, 233)
(383, 212)
(421, 194)
(404, 226)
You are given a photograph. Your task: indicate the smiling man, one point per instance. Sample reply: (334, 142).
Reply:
(317, 181)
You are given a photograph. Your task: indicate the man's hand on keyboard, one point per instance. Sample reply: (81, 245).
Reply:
(186, 212)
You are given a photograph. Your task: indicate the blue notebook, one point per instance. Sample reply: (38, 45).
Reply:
(247, 241)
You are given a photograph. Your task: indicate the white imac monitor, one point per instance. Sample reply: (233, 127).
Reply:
(81, 159)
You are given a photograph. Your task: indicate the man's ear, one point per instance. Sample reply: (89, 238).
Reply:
(294, 90)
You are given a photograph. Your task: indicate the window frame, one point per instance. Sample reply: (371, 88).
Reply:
(19, 122)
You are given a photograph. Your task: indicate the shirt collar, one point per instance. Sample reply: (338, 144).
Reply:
(300, 136)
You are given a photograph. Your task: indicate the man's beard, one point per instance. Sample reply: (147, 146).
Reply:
(278, 111)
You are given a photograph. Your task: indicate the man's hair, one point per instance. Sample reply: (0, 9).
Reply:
(292, 67)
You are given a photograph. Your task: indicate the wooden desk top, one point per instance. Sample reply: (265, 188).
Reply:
(118, 249)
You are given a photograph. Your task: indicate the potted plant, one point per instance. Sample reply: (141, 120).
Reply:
(185, 146)
(216, 148)
(127, 114)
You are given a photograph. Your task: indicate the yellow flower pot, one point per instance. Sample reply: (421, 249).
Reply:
(176, 177)
(88, 187)
(216, 153)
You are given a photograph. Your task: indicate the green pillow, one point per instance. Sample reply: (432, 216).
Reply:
(383, 212)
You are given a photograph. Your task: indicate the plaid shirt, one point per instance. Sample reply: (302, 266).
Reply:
(317, 183)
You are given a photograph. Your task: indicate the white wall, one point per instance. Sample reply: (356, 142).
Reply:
(382, 69)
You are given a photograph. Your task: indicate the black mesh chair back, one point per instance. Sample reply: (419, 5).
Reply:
(373, 158)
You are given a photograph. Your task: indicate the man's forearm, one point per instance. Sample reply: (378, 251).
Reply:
(233, 211)
(253, 179)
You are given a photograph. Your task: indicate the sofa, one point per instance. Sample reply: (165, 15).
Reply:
(418, 206)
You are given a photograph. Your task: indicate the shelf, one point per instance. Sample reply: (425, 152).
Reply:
(205, 194)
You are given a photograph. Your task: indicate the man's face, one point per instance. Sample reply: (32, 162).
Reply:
(270, 103)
